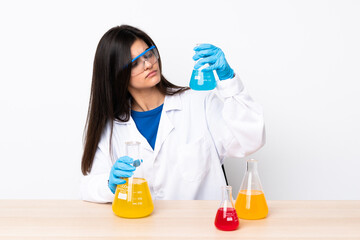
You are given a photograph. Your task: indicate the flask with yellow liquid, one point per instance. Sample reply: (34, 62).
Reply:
(250, 202)
(133, 199)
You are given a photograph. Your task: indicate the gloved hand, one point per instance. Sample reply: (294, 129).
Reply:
(121, 168)
(215, 57)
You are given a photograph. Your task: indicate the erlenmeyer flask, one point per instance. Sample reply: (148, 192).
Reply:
(202, 80)
(133, 199)
(250, 202)
(226, 218)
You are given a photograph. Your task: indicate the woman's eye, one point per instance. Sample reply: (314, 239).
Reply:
(134, 64)
(148, 55)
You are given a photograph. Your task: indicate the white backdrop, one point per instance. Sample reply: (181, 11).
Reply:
(298, 59)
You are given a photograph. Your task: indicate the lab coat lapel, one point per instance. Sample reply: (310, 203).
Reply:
(165, 127)
(171, 103)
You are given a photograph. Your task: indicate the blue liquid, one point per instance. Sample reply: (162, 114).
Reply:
(202, 81)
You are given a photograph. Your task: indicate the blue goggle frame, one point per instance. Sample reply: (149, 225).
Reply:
(143, 53)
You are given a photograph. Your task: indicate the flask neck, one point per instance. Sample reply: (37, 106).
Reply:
(138, 172)
(132, 149)
(251, 165)
(251, 180)
(226, 193)
(227, 197)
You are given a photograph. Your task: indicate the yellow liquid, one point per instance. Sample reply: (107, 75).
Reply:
(251, 204)
(135, 205)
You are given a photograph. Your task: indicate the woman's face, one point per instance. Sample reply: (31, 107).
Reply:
(151, 72)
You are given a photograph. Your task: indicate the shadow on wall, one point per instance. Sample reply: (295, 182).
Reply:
(235, 170)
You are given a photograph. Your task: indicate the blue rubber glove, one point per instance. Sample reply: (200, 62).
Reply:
(121, 168)
(215, 57)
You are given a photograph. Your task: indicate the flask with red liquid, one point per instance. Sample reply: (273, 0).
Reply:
(226, 218)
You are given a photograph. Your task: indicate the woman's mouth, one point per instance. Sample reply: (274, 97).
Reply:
(151, 74)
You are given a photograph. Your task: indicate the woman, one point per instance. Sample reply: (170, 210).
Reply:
(185, 135)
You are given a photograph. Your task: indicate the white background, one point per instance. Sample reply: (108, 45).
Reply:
(299, 59)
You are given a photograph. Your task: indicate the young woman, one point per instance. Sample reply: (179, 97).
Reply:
(185, 135)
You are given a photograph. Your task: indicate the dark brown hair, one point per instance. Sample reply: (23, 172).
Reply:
(109, 97)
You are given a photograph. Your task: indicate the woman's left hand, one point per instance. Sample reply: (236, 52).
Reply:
(215, 57)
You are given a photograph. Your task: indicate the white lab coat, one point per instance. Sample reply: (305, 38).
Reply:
(197, 131)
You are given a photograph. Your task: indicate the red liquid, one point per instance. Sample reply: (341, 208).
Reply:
(227, 220)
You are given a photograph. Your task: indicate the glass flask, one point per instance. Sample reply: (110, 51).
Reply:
(226, 218)
(133, 199)
(250, 202)
(202, 80)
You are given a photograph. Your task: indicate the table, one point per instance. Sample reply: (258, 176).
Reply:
(76, 219)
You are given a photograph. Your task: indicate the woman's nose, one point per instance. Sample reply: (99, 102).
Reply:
(147, 65)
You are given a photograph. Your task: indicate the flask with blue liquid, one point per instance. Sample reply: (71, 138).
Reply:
(202, 80)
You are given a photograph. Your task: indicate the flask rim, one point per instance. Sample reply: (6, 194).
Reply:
(227, 187)
(132, 143)
(251, 160)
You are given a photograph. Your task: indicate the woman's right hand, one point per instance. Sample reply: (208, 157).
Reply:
(215, 57)
(122, 168)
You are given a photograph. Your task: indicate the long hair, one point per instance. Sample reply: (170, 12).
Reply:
(109, 97)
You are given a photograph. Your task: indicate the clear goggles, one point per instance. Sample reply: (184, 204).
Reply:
(150, 55)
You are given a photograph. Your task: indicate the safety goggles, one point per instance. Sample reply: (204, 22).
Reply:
(150, 55)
